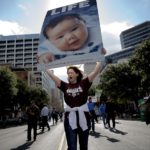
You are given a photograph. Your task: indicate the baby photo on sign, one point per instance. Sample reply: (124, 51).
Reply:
(70, 35)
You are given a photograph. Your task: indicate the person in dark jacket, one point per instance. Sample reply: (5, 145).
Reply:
(54, 116)
(33, 115)
(147, 111)
(111, 113)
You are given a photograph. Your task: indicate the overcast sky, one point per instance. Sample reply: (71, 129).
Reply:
(27, 16)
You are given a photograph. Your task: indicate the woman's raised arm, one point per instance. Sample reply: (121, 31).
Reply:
(97, 68)
(95, 72)
(53, 77)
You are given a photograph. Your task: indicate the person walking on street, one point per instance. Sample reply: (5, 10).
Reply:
(147, 111)
(102, 111)
(111, 113)
(91, 106)
(33, 115)
(76, 116)
(44, 116)
(54, 116)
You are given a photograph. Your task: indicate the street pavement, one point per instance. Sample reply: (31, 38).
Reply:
(129, 135)
(14, 138)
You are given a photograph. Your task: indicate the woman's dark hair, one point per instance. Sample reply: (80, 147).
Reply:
(78, 71)
(54, 21)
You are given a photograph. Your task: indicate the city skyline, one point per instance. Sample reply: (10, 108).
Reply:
(27, 16)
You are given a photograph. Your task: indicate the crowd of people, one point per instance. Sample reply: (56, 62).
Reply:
(41, 117)
(107, 112)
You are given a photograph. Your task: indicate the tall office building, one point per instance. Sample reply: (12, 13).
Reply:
(19, 51)
(135, 35)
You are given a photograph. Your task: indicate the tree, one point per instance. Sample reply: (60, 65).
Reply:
(92, 90)
(118, 82)
(130, 80)
(38, 95)
(140, 63)
(8, 90)
(22, 97)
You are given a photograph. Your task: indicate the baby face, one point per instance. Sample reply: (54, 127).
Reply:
(68, 35)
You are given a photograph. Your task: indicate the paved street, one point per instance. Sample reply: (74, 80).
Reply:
(130, 135)
(15, 138)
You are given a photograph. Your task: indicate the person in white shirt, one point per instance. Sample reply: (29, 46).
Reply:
(44, 116)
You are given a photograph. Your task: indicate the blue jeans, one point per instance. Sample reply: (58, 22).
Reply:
(71, 136)
(104, 118)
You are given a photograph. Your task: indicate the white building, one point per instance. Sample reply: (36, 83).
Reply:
(20, 52)
(135, 35)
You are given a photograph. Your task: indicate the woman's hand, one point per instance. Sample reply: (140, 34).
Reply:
(45, 58)
(103, 51)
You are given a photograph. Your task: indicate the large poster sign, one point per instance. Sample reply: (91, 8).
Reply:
(70, 35)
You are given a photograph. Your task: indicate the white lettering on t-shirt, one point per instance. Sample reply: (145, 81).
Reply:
(74, 91)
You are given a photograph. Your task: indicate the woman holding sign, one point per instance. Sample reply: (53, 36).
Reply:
(77, 117)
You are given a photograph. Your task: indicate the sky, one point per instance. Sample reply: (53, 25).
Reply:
(27, 16)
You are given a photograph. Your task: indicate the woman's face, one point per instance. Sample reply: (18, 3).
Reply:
(72, 76)
(68, 35)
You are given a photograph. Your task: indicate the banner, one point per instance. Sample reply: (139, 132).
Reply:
(70, 35)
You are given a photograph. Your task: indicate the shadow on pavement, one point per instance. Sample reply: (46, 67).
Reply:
(95, 134)
(112, 140)
(24, 146)
(118, 132)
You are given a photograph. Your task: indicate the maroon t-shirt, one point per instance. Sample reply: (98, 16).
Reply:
(76, 94)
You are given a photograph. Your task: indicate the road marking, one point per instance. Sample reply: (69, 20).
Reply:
(62, 142)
